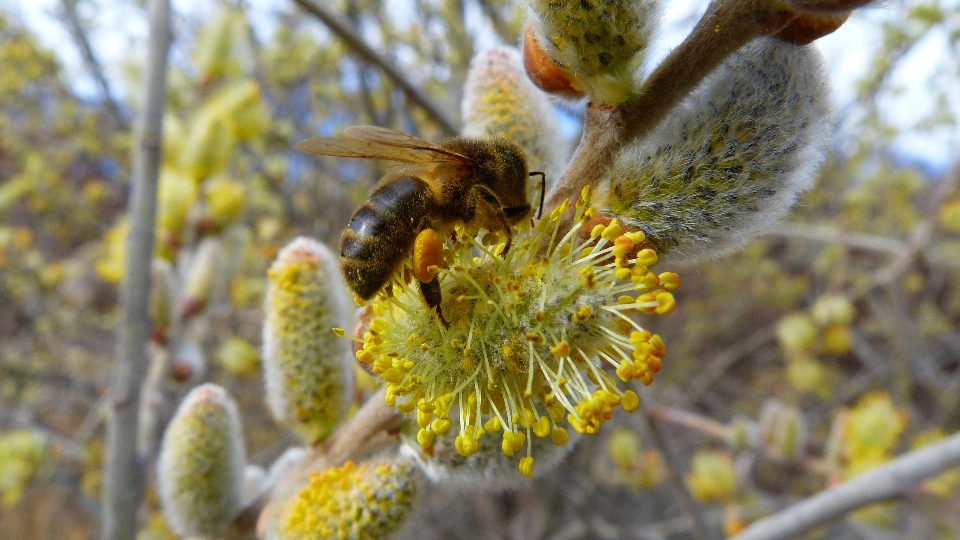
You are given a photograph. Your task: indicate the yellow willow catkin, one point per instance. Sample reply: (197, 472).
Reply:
(731, 159)
(200, 469)
(351, 502)
(500, 101)
(600, 44)
(307, 369)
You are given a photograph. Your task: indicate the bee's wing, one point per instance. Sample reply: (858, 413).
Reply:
(379, 143)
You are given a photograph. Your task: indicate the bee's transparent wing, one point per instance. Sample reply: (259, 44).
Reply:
(379, 143)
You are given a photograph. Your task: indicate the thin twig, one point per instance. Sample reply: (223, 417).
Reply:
(90, 58)
(722, 362)
(356, 43)
(700, 526)
(123, 468)
(893, 480)
(721, 432)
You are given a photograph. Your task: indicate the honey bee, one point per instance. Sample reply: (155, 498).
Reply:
(481, 183)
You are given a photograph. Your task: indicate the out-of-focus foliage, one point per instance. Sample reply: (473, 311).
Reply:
(847, 314)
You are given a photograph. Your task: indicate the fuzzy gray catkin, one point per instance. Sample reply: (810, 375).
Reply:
(731, 159)
(201, 466)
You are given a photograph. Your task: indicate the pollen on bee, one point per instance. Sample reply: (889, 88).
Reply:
(427, 255)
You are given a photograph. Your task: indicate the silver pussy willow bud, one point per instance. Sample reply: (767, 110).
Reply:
(600, 44)
(500, 101)
(307, 369)
(200, 470)
(731, 159)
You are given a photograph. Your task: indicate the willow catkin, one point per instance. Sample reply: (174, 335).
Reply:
(731, 159)
(307, 369)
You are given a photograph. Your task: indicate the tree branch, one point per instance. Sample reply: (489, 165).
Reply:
(343, 30)
(79, 34)
(725, 27)
(123, 467)
(893, 480)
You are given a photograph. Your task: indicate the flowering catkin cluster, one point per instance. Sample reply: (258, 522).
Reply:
(731, 160)
(350, 502)
(531, 334)
(598, 44)
(307, 370)
(200, 469)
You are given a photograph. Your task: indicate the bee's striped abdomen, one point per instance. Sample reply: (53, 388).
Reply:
(381, 232)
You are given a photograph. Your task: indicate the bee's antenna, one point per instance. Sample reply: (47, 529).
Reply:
(543, 190)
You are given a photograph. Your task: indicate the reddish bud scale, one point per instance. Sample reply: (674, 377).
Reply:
(808, 27)
(543, 71)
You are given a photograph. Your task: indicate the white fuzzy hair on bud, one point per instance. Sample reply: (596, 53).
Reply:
(201, 466)
(731, 159)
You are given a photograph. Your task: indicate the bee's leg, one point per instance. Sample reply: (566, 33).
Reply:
(491, 199)
(432, 295)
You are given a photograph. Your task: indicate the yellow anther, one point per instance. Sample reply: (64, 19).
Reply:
(424, 418)
(440, 425)
(536, 338)
(561, 349)
(365, 356)
(507, 444)
(587, 278)
(623, 274)
(636, 236)
(583, 313)
(492, 425)
(425, 437)
(645, 281)
(630, 401)
(665, 303)
(624, 300)
(659, 347)
(518, 439)
(669, 280)
(585, 194)
(339, 332)
(541, 428)
(622, 246)
(646, 257)
(559, 436)
(526, 466)
(612, 231)
(406, 407)
(648, 303)
(597, 230)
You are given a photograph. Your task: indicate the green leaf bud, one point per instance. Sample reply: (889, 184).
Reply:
(783, 431)
(202, 276)
(308, 370)
(200, 469)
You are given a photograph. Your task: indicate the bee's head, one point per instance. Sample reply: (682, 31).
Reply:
(510, 180)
